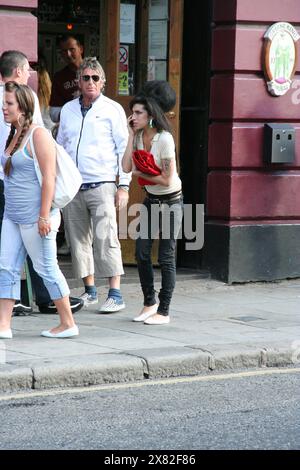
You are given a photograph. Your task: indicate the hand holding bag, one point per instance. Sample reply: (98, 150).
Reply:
(68, 178)
(144, 161)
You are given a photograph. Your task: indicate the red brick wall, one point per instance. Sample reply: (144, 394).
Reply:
(240, 185)
(18, 29)
(22, 4)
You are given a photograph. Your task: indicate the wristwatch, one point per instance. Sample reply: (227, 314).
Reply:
(124, 186)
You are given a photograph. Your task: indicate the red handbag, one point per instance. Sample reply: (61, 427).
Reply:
(144, 161)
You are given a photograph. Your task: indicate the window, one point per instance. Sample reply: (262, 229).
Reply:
(143, 49)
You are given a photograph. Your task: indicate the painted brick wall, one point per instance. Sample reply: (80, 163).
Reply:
(18, 29)
(240, 185)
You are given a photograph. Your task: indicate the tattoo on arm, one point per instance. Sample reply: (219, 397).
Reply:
(166, 167)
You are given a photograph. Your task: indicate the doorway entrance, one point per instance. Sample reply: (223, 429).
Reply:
(144, 44)
(57, 18)
(134, 40)
(194, 118)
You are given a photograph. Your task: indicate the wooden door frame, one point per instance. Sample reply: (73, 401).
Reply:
(175, 61)
(112, 10)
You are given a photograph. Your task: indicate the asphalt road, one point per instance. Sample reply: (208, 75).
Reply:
(246, 410)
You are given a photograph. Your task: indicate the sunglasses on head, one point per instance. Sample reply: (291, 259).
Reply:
(86, 78)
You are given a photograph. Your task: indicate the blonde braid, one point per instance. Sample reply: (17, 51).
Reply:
(7, 167)
(26, 125)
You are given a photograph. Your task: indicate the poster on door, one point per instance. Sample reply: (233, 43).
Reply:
(127, 23)
(123, 70)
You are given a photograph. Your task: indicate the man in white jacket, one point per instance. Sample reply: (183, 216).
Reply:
(93, 130)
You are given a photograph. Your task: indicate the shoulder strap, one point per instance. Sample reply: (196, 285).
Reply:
(35, 160)
(30, 137)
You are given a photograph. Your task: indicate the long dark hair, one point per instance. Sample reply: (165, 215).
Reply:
(160, 121)
(25, 100)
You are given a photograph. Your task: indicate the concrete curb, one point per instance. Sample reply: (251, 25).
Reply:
(172, 362)
(139, 365)
(278, 357)
(88, 370)
(14, 378)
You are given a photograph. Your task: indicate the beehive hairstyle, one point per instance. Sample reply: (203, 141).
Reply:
(160, 91)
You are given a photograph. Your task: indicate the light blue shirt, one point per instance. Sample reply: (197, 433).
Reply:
(22, 189)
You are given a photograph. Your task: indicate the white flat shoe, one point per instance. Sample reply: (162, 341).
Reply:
(157, 320)
(6, 334)
(68, 333)
(145, 315)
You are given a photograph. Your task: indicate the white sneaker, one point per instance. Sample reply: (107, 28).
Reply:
(6, 334)
(88, 299)
(21, 309)
(111, 306)
(145, 315)
(157, 320)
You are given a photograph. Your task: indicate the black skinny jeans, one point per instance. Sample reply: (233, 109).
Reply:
(162, 219)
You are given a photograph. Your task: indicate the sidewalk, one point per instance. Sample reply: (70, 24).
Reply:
(214, 327)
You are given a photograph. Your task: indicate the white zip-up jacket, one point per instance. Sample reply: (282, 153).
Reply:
(96, 142)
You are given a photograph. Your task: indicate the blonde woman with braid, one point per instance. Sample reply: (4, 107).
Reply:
(30, 224)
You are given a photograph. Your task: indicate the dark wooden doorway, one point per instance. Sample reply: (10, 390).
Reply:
(194, 117)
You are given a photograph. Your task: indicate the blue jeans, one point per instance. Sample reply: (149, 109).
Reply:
(19, 239)
(162, 219)
(41, 293)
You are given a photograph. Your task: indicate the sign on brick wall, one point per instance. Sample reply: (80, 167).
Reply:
(280, 57)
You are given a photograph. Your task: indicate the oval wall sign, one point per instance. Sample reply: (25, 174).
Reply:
(280, 56)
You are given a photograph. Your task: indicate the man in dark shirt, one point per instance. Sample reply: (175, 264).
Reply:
(65, 83)
(64, 89)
